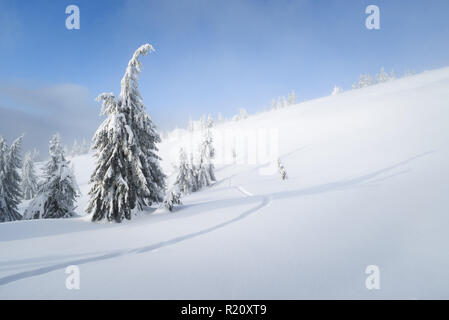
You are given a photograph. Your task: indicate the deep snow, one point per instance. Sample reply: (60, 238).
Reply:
(368, 185)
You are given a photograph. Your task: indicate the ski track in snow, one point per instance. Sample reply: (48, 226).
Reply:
(264, 201)
(244, 191)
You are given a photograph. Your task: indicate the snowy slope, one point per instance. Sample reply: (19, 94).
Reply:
(368, 185)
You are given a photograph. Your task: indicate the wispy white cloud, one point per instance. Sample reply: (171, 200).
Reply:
(41, 112)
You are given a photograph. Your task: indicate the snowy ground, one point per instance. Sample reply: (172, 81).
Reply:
(368, 185)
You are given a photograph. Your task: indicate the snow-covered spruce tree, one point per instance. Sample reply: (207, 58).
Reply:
(208, 147)
(282, 171)
(280, 103)
(392, 75)
(292, 98)
(409, 73)
(191, 125)
(365, 80)
(243, 114)
(220, 118)
(76, 149)
(4, 207)
(194, 172)
(10, 192)
(127, 175)
(185, 180)
(284, 101)
(57, 194)
(84, 149)
(382, 76)
(204, 172)
(274, 105)
(172, 198)
(337, 90)
(29, 179)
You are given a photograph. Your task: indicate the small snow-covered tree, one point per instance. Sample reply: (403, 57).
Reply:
(84, 148)
(282, 171)
(204, 171)
(172, 198)
(202, 174)
(409, 73)
(128, 175)
(292, 98)
(284, 102)
(220, 118)
(75, 148)
(185, 180)
(194, 172)
(209, 146)
(274, 105)
(280, 103)
(243, 114)
(337, 90)
(57, 194)
(382, 76)
(10, 192)
(365, 80)
(392, 75)
(29, 179)
(191, 125)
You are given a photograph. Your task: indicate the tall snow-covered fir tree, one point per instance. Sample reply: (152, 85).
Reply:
(29, 179)
(209, 150)
(194, 172)
(185, 181)
(201, 172)
(205, 170)
(127, 175)
(57, 194)
(10, 192)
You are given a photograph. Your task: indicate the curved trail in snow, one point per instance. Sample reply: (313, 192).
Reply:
(264, 201)
(244, 191)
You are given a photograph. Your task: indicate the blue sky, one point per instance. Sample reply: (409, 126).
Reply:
(211, 56)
